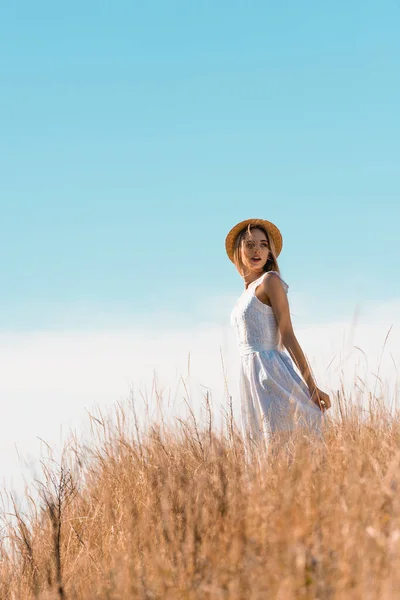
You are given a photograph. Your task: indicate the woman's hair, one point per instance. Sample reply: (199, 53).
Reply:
(242, 237)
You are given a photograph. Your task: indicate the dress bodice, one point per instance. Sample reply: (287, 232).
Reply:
(254, 322)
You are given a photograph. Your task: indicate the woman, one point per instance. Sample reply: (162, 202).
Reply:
(273, 396)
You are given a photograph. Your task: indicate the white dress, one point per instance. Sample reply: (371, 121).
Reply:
(273, 396)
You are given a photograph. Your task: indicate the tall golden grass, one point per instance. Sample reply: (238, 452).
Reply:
(181, 512)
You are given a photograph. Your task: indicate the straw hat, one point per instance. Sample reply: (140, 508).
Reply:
(272, 230)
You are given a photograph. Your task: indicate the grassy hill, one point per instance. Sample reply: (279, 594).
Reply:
(183, 513)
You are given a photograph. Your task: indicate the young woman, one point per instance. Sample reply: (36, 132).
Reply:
(273, 396)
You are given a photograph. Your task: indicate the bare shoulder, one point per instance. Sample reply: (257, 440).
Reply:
(273, 282)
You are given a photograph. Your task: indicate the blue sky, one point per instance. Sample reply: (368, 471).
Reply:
(135, 135)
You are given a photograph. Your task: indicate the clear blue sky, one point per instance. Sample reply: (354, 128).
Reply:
(134, 135)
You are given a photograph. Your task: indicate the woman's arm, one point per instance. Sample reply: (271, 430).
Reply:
(273, 288)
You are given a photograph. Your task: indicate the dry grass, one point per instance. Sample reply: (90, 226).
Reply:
(178, 513)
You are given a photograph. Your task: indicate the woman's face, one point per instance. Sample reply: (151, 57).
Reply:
(255, 251)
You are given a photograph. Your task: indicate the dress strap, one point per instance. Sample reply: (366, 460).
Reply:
(257, 281)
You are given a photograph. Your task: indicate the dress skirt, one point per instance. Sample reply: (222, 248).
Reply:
(274, 398)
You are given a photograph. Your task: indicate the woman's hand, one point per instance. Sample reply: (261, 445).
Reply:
(321, 399)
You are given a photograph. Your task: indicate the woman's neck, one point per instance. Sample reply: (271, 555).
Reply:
(250, 278)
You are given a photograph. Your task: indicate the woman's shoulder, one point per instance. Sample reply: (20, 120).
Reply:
(274, 275)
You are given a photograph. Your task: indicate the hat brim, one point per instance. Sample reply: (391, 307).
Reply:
(272, 230)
